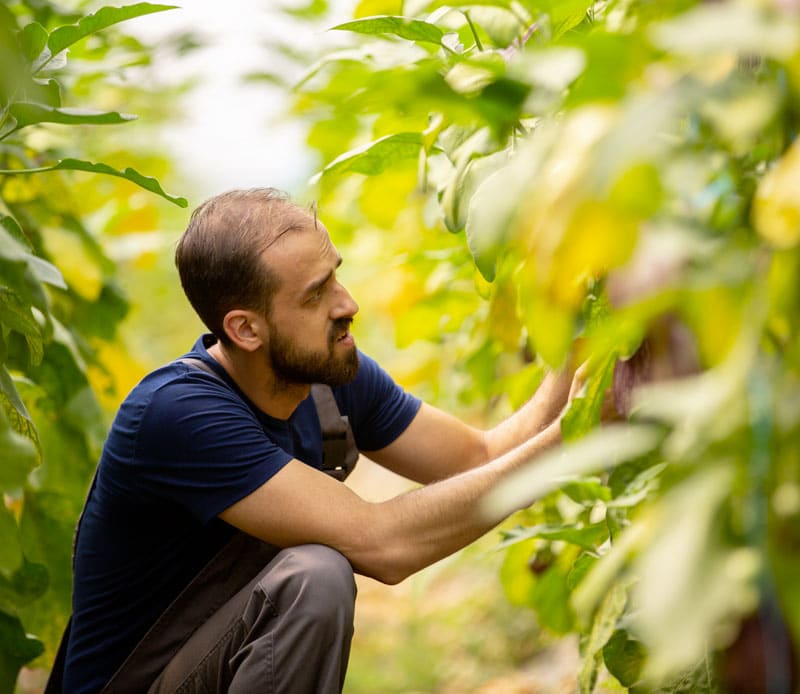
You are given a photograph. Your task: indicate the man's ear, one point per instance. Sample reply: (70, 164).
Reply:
(244, 328)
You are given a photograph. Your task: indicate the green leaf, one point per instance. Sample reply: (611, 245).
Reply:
(603, 626)
(28, 113)
(146, 182)
(585, 410)
(624, 657)
(469, 174)
(550, 598)
(587, 491)
(16, 649)
(65, 36)
(15, 409)
(410, 29)
(375, 157)
(17, 316)
(587, 537)
(32, 40)
(19, 455)
(45, 271)
(28, 583)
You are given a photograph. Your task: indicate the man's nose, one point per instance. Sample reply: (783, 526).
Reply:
(345, 304)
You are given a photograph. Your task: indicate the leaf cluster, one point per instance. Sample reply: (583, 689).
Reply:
(59, 302)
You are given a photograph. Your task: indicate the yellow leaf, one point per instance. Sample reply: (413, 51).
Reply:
(77, 266)
(715, 316)
(598, 238)
(776, 206)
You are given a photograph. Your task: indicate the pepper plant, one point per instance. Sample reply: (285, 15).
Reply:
(614, 182)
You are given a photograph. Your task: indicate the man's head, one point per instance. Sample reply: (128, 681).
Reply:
(261, 273)
(219, 256)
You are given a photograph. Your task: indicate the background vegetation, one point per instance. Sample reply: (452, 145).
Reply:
(514, 183)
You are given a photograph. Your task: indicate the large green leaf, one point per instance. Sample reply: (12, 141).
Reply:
(64, 36)
(378, 156)
(146, 182)
(410, 29)
(28, 113)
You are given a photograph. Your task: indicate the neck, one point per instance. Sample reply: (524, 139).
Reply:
(258, 381)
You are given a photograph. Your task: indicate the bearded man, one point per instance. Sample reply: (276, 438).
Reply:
(221, 454)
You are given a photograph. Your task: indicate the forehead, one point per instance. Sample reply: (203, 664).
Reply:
(302, 254)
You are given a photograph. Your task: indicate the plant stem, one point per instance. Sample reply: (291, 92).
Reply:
(473, 30)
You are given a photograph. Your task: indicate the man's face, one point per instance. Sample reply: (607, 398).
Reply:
(309, 338)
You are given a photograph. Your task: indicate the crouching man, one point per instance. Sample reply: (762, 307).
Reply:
(217, 547)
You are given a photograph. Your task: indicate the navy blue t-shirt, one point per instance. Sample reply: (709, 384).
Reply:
(184, 447)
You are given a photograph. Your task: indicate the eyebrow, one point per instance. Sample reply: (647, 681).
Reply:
(317, 284)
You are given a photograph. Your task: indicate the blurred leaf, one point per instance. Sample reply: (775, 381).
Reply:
(598, 450)
(737, 27)
(16, 649)
(410, 29)
(776, 208)
(27, 583)
(466, 179)
(690, 583)
(624, 658)
(32, 39)
(603, 626)
(130, 174)
(587, 537)
(564, 14)
(19, 452)
(587, 491)
(550, 597)
(375, 157)
(515, 576)
(10, 550)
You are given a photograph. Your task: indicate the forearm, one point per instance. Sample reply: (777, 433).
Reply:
(420, 527)
(533, 417)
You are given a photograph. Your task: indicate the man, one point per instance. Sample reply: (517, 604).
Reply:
(197, 454)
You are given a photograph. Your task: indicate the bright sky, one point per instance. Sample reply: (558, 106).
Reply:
(231, 136)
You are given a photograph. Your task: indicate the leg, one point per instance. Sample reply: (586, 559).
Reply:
(289, 630)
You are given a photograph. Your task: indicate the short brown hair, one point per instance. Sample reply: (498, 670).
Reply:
(219, 255)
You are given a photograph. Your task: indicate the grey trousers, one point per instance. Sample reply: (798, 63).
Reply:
(287, 631)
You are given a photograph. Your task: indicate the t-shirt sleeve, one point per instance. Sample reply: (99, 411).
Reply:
(200, 446)
(379, 410)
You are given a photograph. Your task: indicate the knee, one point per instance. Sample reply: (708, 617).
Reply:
(322, 581)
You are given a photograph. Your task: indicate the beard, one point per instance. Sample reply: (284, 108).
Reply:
(293, 364)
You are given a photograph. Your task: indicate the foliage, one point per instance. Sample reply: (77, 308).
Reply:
(60, 299)
(620, 179)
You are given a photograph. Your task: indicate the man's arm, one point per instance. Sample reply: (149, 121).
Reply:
(389, 540)
(436, 445)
